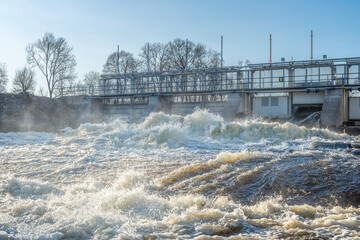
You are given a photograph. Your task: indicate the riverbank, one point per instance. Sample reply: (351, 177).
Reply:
(26, 112)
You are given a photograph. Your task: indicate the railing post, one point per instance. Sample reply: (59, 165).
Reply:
(260, 79)
(248, 79)
(283, 76)
(252, 79)
(117, 86)
(238, 76)
(203, 85)
(332, 78)
(161, 79)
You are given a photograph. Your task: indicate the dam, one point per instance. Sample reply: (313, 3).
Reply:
(265, 89)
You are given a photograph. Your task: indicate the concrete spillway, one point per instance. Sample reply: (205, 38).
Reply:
(335, 108)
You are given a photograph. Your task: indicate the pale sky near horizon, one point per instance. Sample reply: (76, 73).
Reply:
(94, 28)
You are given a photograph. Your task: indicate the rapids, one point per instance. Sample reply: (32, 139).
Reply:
(174, 177)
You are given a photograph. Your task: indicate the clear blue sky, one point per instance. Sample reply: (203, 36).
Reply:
(95, 28)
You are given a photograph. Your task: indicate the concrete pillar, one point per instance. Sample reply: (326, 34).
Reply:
(335, 108)
(234, 105)
(290, 103)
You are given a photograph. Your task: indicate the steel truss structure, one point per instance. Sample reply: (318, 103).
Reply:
(263, 77)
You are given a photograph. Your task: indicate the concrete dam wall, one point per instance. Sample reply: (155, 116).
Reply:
(227, 108)
(333, 102)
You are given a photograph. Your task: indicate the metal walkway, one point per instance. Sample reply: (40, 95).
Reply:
(264, 77)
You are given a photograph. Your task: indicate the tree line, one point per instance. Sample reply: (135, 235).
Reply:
(178, 54)
(54, 59)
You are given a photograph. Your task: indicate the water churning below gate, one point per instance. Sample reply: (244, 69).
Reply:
(192, 177)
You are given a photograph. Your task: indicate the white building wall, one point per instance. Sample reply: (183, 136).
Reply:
(308, 98)
(354, 108)
(271, 109)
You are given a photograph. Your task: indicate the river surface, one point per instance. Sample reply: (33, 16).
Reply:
(172, 177)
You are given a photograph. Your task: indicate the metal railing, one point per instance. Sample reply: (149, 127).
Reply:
(212, 84)
(344, 72)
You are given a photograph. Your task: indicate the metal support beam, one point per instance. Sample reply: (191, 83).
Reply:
(270, 49)
(311, 46)
(222, 51)
(117, 59)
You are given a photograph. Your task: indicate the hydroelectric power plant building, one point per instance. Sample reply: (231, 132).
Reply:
(265, 89)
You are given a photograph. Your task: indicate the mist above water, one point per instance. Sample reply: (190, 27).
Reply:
(196, 176)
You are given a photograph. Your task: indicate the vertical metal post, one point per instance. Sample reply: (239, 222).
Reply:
(238, 76)
(284, 79)
(61, 88)
(221, 63)
(347, 71)
(204, 82)
(148, 56)
(132, 85)
(311, 46)
(186, 55)
(260, 79)
(291, 77)
(271, 71)
(226, 81)
(142, 85)
(117, 86)
(161, 80)
(252, 79)
(117, 60)
(222, 52)
(270, 49)
(248, 79)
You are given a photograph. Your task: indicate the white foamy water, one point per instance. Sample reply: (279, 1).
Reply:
(173, 177)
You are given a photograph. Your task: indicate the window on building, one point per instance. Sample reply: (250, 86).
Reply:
(274, 101)
(264, 101)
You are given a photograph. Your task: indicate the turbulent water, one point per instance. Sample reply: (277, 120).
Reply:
(172, 177)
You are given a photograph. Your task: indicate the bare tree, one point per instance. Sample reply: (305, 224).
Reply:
(24, 80)
(124, 62)
(3, 77)
(184, 54)
(41, 92)
(54, 58)
(212, 59)
(179, 53)
(241, 63)
(155, 57)
(92, 81)
(91, 78)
